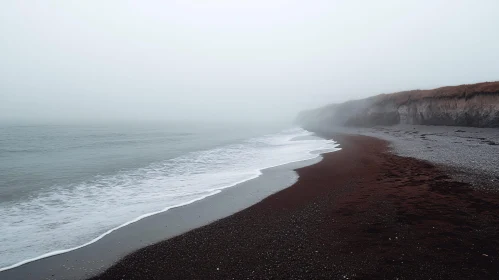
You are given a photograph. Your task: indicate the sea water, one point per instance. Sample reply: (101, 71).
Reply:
(65, 186)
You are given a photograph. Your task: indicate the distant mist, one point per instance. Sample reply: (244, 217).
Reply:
(232, 61)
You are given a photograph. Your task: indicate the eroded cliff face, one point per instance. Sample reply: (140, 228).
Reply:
(466, 105)
(480, 111)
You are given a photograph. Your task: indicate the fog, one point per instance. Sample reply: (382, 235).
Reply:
(222, 60)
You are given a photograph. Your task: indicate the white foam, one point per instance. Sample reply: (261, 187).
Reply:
(71, 215)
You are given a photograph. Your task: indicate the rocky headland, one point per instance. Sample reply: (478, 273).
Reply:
(475, 105)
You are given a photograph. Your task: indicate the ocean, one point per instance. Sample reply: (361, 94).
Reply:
(65, 186)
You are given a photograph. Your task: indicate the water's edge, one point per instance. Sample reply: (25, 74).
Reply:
(275, 180)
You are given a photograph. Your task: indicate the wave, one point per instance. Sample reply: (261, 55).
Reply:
(50, 219)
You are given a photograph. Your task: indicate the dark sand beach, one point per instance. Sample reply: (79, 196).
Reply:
(361, 213)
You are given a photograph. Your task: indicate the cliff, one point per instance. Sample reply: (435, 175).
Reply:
(465, 105)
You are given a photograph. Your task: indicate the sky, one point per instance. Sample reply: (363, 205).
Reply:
(226, 60)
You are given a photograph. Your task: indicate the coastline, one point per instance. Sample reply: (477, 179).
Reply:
(361, 213)
(368, 211)
(102, 252)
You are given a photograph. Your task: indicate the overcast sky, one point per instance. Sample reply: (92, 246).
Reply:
(225, 59)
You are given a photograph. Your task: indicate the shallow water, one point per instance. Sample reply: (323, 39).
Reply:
(62, 187)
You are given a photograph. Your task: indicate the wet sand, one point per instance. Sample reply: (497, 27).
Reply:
(361, 213)
(96, 257)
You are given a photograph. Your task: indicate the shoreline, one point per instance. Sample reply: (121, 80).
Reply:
(345, 215)
(82, 264)
(361, 213)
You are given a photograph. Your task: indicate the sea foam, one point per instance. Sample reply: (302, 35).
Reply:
(66, 218)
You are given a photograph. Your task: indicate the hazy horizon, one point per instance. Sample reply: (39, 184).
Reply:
(245, 61)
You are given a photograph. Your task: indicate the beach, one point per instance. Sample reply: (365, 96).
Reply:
(402, 202)
(363, 212)
(190, 140)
